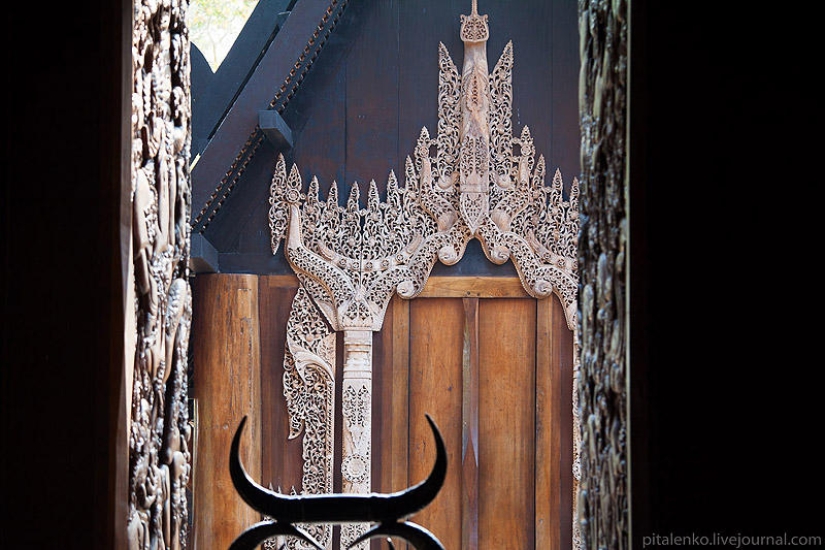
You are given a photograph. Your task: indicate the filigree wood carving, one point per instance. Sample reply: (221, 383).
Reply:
(159, 436)
(309, 384)
(474, 180)
(482, 183)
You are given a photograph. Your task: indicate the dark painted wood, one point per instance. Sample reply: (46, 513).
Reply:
(372, 96)
(203, 257)
(241, 120)
(275, 129)
(200, 77)
(242, 223)
(317, 113)
(213, 92)
(264, 263)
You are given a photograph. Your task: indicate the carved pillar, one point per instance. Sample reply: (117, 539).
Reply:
(603, 498)
(356, 409)
(356, 406)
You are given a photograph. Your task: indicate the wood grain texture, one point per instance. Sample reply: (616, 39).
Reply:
(561, 342)
(400, 392)
(548, 436)
(382, 409)
(281, 457)
(473, 286)
(436, 340)
(507, 336)
(470, 430)
(227, 386)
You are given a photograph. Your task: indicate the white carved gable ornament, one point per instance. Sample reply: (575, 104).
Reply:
(473, 180)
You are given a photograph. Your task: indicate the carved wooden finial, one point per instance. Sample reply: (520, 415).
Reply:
(474, 26)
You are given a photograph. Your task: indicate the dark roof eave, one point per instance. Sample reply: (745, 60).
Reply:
(274, 81)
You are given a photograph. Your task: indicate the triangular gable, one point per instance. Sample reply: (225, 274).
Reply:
(288, 58)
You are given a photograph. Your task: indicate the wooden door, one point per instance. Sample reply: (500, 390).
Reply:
(493, 367)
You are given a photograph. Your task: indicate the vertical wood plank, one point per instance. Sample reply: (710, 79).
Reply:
(282, 462)
(384, 459)
(395, 376)
(436, 338)
(382, 405)
(469, 417)
(400, 392)
(562, 342)
(227, 387)
(548, 436)
(507, 334)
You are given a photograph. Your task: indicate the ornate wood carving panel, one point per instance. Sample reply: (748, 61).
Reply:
(602, 384)
(160, 435)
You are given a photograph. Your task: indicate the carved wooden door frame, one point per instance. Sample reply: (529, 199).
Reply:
(473, 180)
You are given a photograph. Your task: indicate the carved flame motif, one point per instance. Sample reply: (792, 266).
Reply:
(309, 383)
(473, 180)
(353, 259)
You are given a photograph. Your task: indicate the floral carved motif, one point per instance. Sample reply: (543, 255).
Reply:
(309, 382)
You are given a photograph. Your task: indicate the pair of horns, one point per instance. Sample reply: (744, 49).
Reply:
(387, 511)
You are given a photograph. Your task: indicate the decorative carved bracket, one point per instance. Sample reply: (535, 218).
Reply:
(482, 182)
(474, 180)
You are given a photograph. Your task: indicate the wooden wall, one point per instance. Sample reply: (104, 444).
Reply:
(227, 387)
(491, 365)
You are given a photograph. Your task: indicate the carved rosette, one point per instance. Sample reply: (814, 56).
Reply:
(159, 430)
(474, 180)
